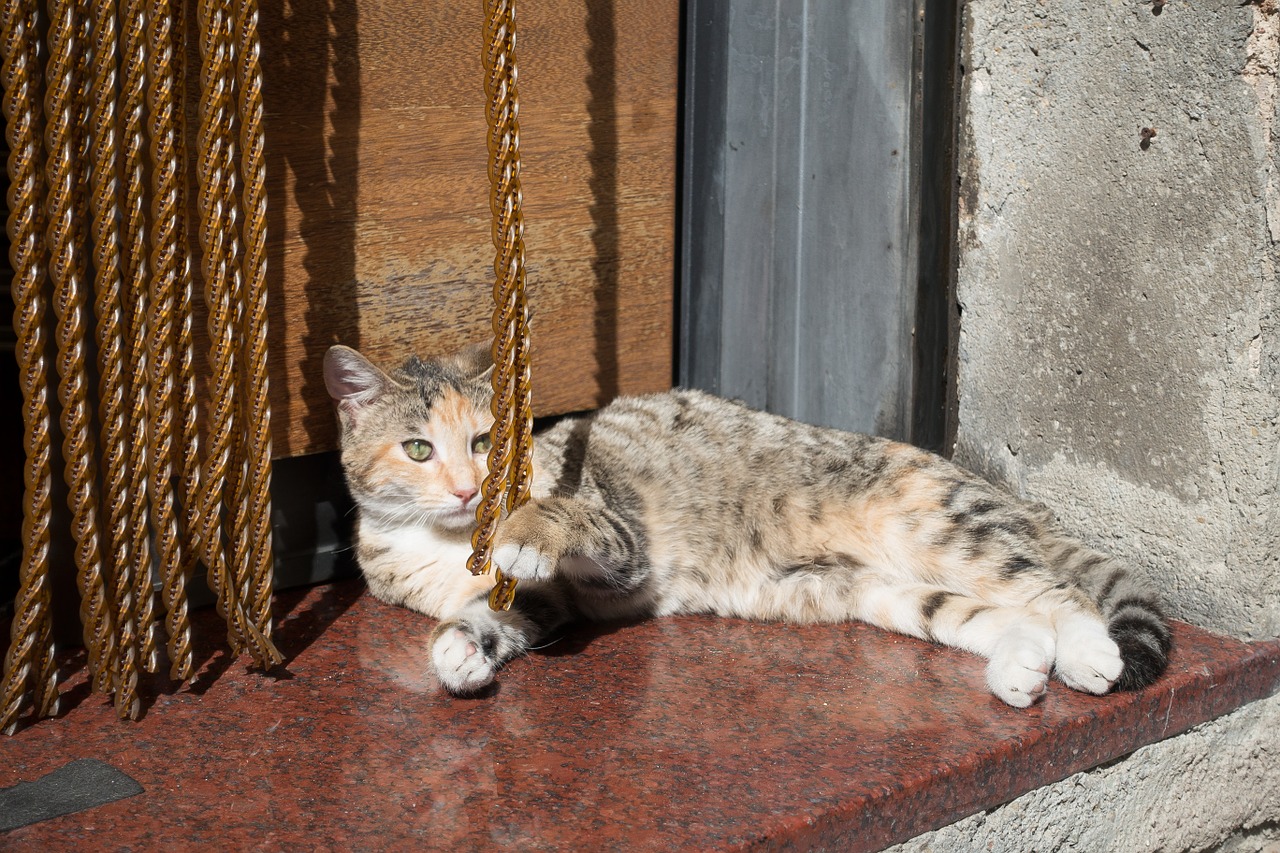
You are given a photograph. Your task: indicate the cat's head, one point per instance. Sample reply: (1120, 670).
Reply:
(415, 440)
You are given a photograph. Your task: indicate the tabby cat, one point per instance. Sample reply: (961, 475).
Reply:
(682, 502)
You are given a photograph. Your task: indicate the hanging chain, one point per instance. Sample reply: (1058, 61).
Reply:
(187, 411)
(510, 468)
(29, 663)
(235, 497)
(165, 265)
(254, 298)
(210, 169)
(66, 266)
(112, 384)
(133, 102)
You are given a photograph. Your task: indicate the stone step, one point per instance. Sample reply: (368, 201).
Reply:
(687, 733)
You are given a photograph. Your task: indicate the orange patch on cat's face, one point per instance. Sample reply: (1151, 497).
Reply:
(454, 424)
(459, 418)
(390, 466)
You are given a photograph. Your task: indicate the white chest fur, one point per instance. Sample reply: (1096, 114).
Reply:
(419, 568)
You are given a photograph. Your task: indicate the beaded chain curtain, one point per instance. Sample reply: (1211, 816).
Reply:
(120, 210)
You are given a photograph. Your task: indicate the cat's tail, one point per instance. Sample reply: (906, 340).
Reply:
(1128, 605)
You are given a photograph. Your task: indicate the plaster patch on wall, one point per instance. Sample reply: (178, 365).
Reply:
(1119, 357)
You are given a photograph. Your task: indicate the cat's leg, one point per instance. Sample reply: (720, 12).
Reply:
(599, 547)
(1057, 631)
(1019, 644)
(469, 647)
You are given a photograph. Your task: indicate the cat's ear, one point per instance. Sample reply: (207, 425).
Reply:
(353, 381)
(475, 360)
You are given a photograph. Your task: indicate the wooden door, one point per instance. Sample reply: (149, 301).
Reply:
(379, 219)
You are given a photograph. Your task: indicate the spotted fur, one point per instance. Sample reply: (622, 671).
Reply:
(683, 502)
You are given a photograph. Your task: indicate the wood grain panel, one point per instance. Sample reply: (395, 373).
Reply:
(379, 219)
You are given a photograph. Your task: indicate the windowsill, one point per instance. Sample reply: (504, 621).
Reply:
(689, 732)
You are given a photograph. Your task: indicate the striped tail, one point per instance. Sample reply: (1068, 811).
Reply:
(1140, 629)
(1129, 606)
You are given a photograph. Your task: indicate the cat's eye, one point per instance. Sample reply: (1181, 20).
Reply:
(482, 444)
(418, 449)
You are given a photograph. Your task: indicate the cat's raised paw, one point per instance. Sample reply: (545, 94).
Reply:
(523, 562)
(1088, 659)
(460, 662)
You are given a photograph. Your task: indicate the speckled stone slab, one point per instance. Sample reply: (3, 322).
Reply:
(683, 733)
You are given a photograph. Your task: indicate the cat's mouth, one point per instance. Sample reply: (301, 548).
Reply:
(461, 515)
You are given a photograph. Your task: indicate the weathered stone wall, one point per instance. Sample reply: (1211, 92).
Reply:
(1120, 359)
(1120, 327)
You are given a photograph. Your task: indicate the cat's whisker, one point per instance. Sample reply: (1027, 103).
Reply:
(546, 645)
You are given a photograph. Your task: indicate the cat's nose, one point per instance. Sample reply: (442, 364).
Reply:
(464, 494)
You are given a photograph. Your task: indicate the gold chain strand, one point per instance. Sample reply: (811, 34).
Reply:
(188, 411)
(164, 279)
(82, 221)
(239, 550)
(509, 459)
(508, 236)
(133, 91)
(211, 162)
(258, 446)
(515, 322)
(501, 454)
(28, 665)
(100, 575)
(221, 391)
(105, 186)
(64, 266)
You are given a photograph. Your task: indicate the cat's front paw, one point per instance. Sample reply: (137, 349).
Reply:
(460, 661)
(524, 562)
(531, 541)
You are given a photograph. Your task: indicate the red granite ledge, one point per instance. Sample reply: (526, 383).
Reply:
(689, 732)
(1209, 676)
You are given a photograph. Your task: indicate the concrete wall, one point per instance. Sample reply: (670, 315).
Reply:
(1119, 345)
(1120, 359)
(1214, 787)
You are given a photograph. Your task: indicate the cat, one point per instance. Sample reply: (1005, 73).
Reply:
(683, 502)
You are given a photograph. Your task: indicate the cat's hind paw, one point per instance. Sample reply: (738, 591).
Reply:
(1018, 672)
(1088, 659)
(460, 661)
